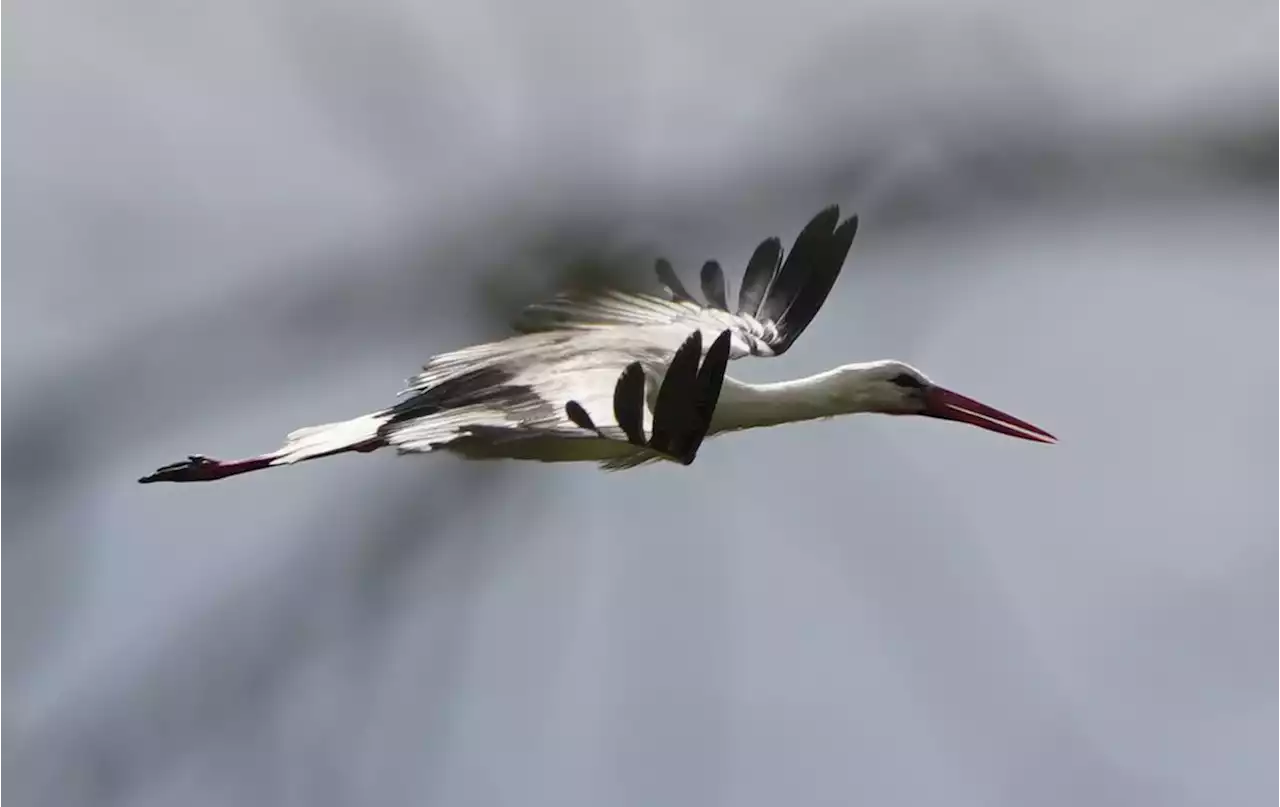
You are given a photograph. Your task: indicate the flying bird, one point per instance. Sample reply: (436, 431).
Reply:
(590, 373)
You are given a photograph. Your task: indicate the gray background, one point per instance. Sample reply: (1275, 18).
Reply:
(226, 220)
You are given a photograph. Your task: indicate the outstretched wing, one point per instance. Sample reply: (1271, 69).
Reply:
(777, 301)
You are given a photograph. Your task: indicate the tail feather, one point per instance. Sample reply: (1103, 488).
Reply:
(329, 438)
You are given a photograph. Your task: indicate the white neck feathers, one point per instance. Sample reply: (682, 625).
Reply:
(746, 406)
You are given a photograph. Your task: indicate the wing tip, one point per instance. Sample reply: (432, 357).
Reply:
(826, 219)
(579, 417)
(667, 277)
(829, 216)
(850, 224)
(714, 287)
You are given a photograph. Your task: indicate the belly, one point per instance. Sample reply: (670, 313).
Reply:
(544, 449)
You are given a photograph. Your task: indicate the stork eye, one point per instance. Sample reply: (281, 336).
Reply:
(907, 380)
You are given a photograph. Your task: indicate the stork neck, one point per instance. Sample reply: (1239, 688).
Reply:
(747, 406)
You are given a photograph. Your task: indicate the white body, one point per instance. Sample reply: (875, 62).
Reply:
(742, 406)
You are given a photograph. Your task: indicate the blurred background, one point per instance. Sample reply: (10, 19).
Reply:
(227, 220)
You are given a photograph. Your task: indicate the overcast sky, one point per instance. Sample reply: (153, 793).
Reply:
(229, 220)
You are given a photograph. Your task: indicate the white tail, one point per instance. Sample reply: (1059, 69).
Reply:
(327, 438)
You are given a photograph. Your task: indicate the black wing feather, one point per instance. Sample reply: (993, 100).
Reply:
(671, 420)
(686, 401)
(795, 271)
(713, 285)
(628, 402)
(667, 276)
(579, 417)
(710, 380)
(787, 293)
(761, 269)
(828, 259)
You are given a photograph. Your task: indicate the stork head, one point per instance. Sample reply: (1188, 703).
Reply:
(897, 388)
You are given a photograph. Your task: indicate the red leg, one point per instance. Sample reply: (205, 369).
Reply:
(196, 468)
(202, 469)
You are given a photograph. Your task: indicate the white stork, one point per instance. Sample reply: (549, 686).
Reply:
(630, 363)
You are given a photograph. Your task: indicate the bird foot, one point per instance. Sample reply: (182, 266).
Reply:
(195, 468)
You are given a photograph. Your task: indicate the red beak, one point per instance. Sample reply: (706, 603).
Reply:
(948, 405)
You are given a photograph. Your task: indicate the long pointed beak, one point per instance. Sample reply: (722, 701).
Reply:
(948, 405)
